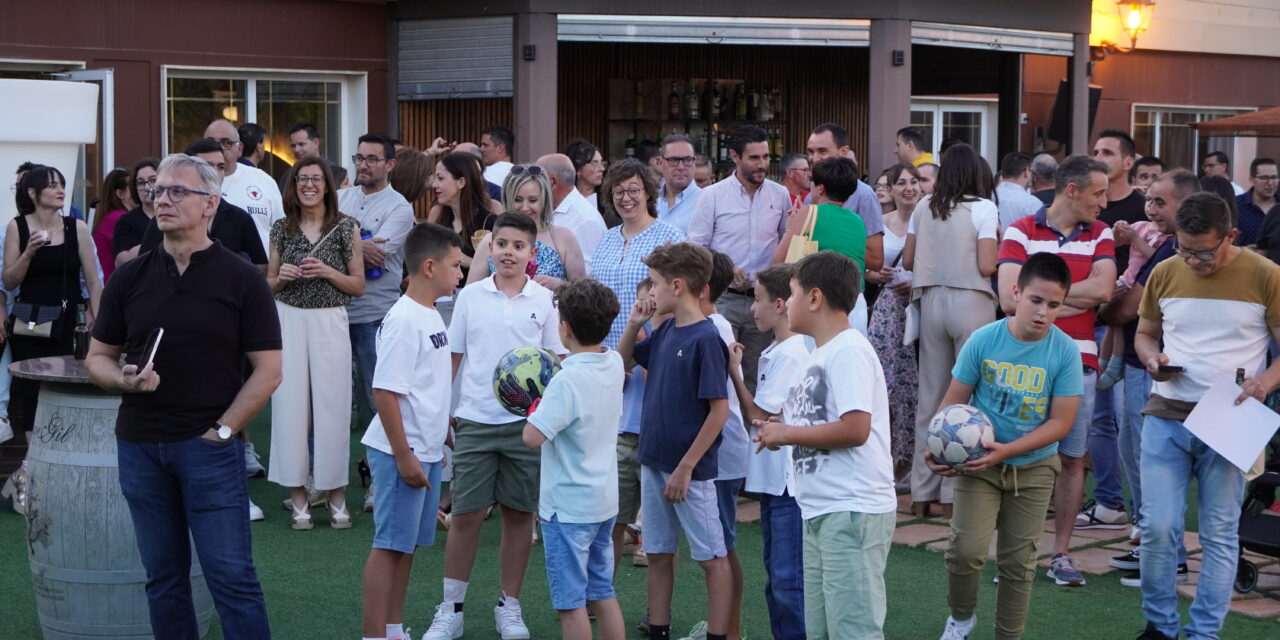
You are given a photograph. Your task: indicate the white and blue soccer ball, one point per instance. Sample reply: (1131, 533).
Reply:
(957, 434)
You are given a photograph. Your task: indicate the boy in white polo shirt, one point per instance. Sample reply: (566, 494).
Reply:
(576, 425)
(781, 365)
(405, 441)
(491, 465)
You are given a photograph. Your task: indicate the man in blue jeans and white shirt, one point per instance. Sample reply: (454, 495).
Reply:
(386, 218)
(1212, 310)
(181, 462)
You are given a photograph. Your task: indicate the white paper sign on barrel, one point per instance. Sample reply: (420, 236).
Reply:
(44, 121)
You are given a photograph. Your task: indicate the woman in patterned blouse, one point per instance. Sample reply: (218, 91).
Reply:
(316, 267)
(557, 257)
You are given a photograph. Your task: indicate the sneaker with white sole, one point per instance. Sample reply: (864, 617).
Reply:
(1127, 562)
(253, 462)
(1096, 516)
(959, 630)
(698, 632)
(508, 621)
(255, 512)
(1134, 579)
(368, 499)
(446, 625)
(1064, 572)
(1135, 534)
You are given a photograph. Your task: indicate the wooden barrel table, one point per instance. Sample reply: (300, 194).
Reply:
(88, 577)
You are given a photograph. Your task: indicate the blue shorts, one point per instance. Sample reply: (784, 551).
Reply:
(404, 518)
(698, 516)
(1076, 444)
(579, 562)
(727, 500)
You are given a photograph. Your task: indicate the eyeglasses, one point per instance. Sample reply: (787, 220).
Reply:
(176, 194)
(884, 187)
(675, 162)
(1202, 256)
(309, 179)
(143, 183)
(227, 143)
(634, 194)
(599, 164)
(531, 169)
(1266, 178)
(373, 161)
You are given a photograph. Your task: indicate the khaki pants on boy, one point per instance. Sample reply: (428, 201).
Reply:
(1012, 500)
(844, 559)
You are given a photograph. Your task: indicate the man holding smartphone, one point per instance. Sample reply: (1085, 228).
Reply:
(182, 468)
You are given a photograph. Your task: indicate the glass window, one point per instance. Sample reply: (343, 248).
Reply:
(193, 103)
(1166, 132)
(924, 120)
(965, 126)
(284, 103)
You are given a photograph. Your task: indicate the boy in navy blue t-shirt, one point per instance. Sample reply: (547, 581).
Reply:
(685, 407)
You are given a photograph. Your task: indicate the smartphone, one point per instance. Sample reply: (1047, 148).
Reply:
(1171, 368)
(150, 348)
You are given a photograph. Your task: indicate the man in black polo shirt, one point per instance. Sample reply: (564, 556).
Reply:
(231, 225)
(181, 464)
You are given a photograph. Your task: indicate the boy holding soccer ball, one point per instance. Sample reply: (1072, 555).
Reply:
(491, 464)
(1025, 375)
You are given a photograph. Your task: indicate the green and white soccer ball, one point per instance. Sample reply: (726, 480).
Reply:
(957, 435)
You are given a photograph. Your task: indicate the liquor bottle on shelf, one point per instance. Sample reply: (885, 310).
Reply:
(692, 100)
(778, 111)
(630, 147)
(647, 142)
(713, 142)
(775, 144)
(716, 100)
(673, 102)
(740, 103)
(753, 104)
(723, 156)
(639, 98)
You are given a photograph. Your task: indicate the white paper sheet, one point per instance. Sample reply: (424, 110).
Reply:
(1238, 432)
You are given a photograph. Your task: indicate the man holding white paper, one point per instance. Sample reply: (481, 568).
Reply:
(1216, 310)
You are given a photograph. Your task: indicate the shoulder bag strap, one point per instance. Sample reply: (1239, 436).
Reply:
(810, 221)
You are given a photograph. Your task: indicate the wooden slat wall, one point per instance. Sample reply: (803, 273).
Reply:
(460, 120)
(825, 83)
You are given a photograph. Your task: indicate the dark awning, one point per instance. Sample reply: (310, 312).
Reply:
(1264, 123)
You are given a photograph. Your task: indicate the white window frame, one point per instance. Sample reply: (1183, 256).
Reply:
(353, 97)
(987, 107)
(1241, 146)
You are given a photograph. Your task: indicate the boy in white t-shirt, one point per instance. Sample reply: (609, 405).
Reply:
(837, 419)
(781, 365)
(405, 441)
(491, 464)
(576, 426)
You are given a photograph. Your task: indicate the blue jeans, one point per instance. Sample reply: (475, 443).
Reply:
(190, 491)
(1172, 457)
(364, 348)
(1137, 390)
(1108, 490)
(781, 525)
(579, 562)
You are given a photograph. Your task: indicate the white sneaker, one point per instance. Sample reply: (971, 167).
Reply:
(368, 499)
(446, 625)
(253, 462)
(1096, 516)
(255, 512)
(507, 619)
(959, 630)
(698, 632)
(1135, 534)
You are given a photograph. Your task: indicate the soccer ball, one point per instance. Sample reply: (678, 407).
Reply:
(522, 376)
(957, 434)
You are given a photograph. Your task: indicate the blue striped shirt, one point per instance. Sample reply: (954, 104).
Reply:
(618, 265)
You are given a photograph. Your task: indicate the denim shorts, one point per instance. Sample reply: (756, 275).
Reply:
(579, 562)
(1076, 444)
(404, 518)
(727, 501)
(698, 516)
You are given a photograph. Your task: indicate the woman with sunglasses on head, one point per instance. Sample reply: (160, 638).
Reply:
(462, 200)
(557, 257)
(45, 254)
(889, 315)
(316, 267)
(114, 200)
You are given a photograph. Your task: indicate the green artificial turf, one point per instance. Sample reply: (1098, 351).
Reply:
(312, 584)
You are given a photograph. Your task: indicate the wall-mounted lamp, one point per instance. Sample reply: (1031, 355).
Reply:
(231, 112)
(1135, 17)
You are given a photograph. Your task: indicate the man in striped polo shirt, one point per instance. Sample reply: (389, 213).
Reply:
(1070, 228)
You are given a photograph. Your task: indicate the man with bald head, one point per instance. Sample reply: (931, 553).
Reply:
(249, 188)
(572, 209)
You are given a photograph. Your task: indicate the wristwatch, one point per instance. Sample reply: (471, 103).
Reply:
(224, 433)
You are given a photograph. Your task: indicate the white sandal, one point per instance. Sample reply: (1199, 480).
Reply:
(301, 519)
(339, 518)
